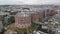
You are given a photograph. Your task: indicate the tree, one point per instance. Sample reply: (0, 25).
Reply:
(21, 30)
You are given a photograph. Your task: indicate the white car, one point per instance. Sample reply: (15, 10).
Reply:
(37, 32)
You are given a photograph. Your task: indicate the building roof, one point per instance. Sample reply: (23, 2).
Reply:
(4, 13)
(22, 14)
(58, 29)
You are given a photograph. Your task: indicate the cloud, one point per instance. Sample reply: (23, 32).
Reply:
(30, 2)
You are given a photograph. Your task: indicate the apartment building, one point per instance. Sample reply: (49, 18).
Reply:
(35, 17)
(22, 20)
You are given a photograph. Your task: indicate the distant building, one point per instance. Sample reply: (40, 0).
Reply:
(49, 12)
(57, 31)
(22, 20)
(44, 27)
(52, 11)
(2, 14)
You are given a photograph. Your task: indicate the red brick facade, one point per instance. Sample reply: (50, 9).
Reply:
(35, 16)
(23, 22)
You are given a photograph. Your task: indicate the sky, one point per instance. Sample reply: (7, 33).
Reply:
(29, 2)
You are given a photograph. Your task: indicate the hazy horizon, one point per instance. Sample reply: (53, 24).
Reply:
(29, 2)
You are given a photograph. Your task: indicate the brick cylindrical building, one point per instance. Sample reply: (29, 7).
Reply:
(52, 11)
(22, 20)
